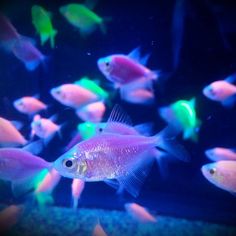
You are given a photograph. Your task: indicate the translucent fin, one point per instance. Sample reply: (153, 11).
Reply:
(229, 102)
(231, 79)
(166, 141)
(90, 4)
(18, 124)
(52, 38)
(145, 128)
(112, 183)
(34, 147)
(24, 186)
(44, 38)
(32, 65)
(119, 115)
(136, 55)
(103, 27)
(134, 180)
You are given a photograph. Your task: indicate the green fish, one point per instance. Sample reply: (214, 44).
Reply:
(82, 18)
(86, 83)
(182, 115)
(87, 130)
(41, 20)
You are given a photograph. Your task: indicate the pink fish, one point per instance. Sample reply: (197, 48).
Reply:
(219, 153)
(9, 135)
(29, 105)
(21, 168)
(115, 157)
(139, 213)
(26, 52)
(50, 181)
(73, 95)
(222, 91)
(77, 188)
(98, 230)
(44, 128)
(92, 112)
(123, 69)
(9, 217)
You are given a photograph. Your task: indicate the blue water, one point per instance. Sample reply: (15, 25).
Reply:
(207, 53)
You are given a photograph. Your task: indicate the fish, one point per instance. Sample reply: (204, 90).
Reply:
(46, 185)
(10, 136)
(220, 153)
(182, 115)
(77, 188)
(222, 174)
(22, 47)
(21, 167)
(8, 33)
(9, 216)
(29, 105)
(123, 69)
(44, 128)
(115, 157)
(98, 230)
(138, 92)
(92, 112)
(223, 91)
(25, 51)
(73, 95)
(82, 18)
(139, 213)
(42, 22)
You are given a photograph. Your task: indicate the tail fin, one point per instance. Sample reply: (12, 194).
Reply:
(52, 38)
(166, 140)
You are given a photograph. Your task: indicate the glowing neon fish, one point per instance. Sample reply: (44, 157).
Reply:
(82, 18)
(183, 117)
(41, 20)
(110, 156)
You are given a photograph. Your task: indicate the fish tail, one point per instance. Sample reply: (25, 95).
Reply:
(165, 140)
(52, 38)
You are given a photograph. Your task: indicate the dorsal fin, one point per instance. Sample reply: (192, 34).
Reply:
(231, 78)
(119, 115)
(136, 55)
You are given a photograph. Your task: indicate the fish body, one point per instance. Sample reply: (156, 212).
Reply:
(92, 112)
(223, 91)
(182, 115)
(123, 69)
(219, 154)
(8, 33)
(26, 52)
(9, 216)
(42, 22)
(73, 95)
(82, 18)
(9, 135)
(29, 105)
(43, 128)
(139, 213)
(222, 174)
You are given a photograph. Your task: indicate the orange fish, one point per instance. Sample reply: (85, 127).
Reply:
(139, 213)
(10, 136)
(29, 105)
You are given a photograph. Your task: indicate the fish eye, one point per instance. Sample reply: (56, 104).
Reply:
(100, 130)
(212, 171)
(69, 163)
(58, 91)
(107, 63)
